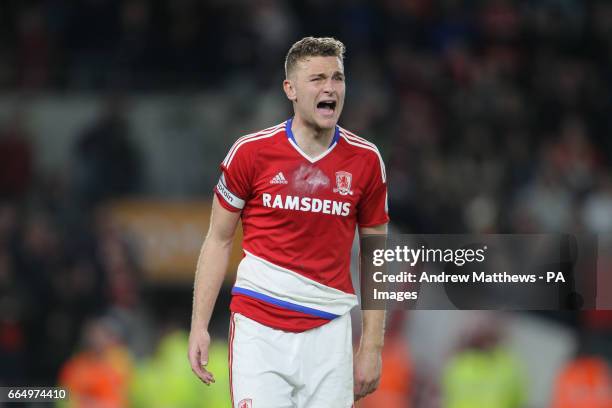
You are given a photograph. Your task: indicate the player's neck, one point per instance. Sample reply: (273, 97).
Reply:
(311, 141)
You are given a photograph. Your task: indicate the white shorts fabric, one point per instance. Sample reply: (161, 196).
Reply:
(272, 368)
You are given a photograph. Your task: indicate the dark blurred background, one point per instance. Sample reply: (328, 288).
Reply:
(492, 117)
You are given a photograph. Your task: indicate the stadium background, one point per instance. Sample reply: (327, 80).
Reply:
(492, 116)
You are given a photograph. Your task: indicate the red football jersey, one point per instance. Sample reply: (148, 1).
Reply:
(298, 217)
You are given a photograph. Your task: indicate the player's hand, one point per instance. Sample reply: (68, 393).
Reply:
(199, 341)
(367, 367)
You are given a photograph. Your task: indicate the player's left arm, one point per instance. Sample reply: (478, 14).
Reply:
(367, 363)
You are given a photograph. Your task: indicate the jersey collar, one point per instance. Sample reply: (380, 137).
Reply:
(293, 142)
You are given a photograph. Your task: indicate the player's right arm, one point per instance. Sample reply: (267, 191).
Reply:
(210, 271)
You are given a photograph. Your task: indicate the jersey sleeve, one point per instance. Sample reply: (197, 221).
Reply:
(372, 208)
(234, 186)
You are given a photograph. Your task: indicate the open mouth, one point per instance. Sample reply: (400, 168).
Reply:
(326, 107)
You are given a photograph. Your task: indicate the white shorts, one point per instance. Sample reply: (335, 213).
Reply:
(272, 368)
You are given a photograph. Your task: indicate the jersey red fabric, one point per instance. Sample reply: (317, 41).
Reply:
(300, 214)
(275, 316)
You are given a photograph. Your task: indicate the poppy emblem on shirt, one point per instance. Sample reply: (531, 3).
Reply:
(246, 403)
(343, 183)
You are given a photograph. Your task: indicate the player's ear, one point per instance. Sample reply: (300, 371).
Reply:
(289, 90)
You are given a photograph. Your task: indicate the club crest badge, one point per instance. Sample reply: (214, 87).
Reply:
(246, 403)
(343, 183)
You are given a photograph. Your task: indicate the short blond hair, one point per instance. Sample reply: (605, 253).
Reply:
(313, 47)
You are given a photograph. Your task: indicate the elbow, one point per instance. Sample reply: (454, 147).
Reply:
(220, 241)
(227, 244)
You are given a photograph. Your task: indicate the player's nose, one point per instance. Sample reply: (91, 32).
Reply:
(329, 87)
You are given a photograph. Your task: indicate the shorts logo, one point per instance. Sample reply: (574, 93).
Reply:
(343, 183)
(246, 403)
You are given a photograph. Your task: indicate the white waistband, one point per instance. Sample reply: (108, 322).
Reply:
(272, 281)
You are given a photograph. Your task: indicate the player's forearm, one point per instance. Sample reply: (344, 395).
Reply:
(210, 271)
(373, 321)
(373, 331)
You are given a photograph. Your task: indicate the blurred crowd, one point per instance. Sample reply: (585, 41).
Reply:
(492, 116)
